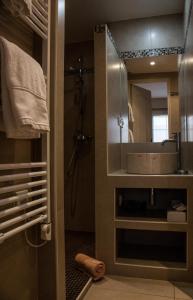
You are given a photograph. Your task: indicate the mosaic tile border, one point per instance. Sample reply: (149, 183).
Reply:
(139, 53)
(152, 52)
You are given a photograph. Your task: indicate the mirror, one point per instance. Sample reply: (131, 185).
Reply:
(154, 108)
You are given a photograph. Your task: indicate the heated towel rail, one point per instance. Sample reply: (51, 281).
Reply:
(23, 197)
(25, 187)
(38, 19)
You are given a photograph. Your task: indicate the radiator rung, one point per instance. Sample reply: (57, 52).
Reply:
(29, 22)
(22, 166)
(17, 187)
(22, 176)
(39, 15)
(21, 228)
(22, 197)
(23, 217)
(18, 208)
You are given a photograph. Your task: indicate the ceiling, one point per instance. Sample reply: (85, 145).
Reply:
(164, 63)
(157, 89)
(83, 15)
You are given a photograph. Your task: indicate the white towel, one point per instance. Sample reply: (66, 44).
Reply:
(19, 7)
(131, 116)
(131, 137)
(23, 93)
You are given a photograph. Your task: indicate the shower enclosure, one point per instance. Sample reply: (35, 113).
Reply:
(79, 166)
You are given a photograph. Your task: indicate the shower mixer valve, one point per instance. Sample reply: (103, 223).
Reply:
(80, 137)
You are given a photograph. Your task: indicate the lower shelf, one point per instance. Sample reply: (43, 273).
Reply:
(165, 247)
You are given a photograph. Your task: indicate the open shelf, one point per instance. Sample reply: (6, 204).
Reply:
(150, 204)
(151, 245)
(150, 224)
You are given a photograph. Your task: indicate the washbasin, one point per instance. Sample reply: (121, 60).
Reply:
(152, 163)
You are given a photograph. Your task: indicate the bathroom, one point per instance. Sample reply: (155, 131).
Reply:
(110, 176)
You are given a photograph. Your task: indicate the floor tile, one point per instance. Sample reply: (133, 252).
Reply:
(183, 291)
(106, 294)
(137, 285)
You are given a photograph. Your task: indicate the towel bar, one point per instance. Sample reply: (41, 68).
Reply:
(37, 20)
(22, 176)
(17, 187)
(5, 236)
(24, 188)
(22, 197)
(26, 202)
(23, 217)
(22, 166)
(18, 208)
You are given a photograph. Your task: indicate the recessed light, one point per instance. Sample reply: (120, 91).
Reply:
(152, 63)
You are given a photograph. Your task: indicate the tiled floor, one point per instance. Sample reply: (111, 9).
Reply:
(121, 288)
(75, 278)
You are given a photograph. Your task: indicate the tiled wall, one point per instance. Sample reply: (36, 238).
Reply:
(186, 14)
(148, 33)
(84, 215)
(186, 96)
(117, 99)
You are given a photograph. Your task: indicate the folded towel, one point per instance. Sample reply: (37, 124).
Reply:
(131, 137)
(23, 93)
(19, 7)
(95, 267)
(131, 116)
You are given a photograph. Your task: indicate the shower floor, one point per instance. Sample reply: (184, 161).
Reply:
(76, 279)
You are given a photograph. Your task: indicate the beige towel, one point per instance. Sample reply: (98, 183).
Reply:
(19, 7)
(95, 267)
(23, 93)
(131, 116)
(131, 137)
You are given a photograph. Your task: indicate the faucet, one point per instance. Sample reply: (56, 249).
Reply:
(177, 141)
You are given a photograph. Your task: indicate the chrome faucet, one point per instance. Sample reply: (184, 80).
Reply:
(177, 141)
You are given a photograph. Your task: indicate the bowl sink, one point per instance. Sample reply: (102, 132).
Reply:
(152, 163)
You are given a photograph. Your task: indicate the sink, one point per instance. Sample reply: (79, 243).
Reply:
(152, 163)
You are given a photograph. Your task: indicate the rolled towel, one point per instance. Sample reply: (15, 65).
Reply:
(94, 267)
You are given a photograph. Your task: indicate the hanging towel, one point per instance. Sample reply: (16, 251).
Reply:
(95, 267)
(19, 7)
(23, 93)
(131, 137)
(131, 116)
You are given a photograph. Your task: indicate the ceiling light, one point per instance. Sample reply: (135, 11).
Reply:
(152, 63)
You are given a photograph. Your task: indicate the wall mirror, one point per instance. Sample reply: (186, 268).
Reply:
(154, 108)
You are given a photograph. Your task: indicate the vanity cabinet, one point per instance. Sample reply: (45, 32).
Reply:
(133, 236)
(142, 233)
